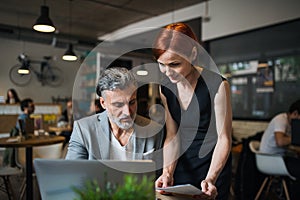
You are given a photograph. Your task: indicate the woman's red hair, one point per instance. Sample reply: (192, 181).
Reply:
(171, 37)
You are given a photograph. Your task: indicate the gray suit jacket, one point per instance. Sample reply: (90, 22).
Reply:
(91, 137)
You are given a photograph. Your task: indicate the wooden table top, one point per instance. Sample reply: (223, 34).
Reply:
(294, 148)
(31, 141)
(60, 129)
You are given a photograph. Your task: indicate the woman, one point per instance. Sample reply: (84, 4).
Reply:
(198, 115)
(12, 97)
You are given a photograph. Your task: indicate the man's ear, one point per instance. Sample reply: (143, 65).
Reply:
(294, 114)
(102, 102)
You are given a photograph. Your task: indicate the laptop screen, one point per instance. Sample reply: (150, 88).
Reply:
(57, 178)
(295, 125)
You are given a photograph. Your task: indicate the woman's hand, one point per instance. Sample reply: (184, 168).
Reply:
(209, 189)
(163, 181)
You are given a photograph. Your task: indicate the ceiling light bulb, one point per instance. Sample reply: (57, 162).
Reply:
(44, 28)
(142, 72)
(23, 70)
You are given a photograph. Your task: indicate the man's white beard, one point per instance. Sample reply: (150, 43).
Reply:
(122, 125)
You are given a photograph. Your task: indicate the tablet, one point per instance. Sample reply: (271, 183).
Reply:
(186, 189)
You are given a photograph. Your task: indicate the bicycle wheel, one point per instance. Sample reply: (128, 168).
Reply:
(18, 79)
(53, 76)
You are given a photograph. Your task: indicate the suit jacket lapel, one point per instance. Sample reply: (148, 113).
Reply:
(103, 132)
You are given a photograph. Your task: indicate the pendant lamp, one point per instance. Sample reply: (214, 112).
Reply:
(69, 55)
(263, 62)
(44, 23)
(24, 70)
(142, 71)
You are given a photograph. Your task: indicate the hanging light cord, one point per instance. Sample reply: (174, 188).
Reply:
(70, 19)
(173, 12)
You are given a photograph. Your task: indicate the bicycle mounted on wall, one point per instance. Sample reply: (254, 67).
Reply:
(46, 75)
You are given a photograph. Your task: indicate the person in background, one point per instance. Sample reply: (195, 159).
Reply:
(67, 120)
(27, 108)
(117, 133)
(67, 114)
(12, 97)
(198, 116)
(71, 113)
(277, 137)
(95, 107)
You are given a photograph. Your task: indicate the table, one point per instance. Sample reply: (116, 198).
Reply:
(295, 148)
(58, 130)
(172, 197)
(32, 141)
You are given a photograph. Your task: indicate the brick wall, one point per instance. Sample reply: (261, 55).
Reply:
(244, 129)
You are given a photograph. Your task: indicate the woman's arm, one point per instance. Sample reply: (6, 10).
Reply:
(170, 151)
(223, 112)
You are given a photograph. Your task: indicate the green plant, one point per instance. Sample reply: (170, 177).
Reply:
(131, 189)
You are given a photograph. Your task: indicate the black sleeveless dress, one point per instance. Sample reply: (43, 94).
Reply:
(198, 135)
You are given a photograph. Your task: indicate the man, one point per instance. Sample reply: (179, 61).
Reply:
(67, 118)
(95, 107)
(117, 133)
(27, 107)
(277, 137)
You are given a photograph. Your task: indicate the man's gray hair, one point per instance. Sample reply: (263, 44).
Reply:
(115, 78)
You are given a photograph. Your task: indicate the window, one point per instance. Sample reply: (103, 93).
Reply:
(256, 99)
(254, 95)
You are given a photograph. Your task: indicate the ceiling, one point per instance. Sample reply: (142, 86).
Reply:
(79, 21)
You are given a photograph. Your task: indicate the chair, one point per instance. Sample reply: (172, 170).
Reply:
(272, 165)
(5, 174)
(53, 151)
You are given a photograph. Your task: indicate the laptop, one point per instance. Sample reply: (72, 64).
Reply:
(295, 126)
(57, 178)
